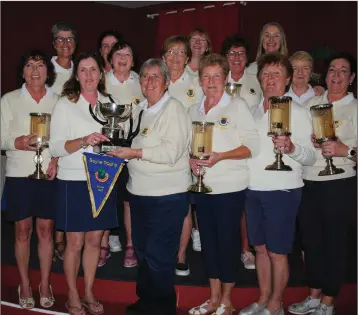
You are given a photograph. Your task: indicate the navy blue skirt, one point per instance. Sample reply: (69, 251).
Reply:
(74, 210)
(27, 198)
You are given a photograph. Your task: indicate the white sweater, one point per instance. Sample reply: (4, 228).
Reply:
(304, 154)
(250, 90)
(345, 122)
(186, 89)
(128, 92)
(71, 121)
(16, 107)
(164, 136)
(234, 127)
(62, 75)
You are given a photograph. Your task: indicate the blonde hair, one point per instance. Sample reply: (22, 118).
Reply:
(301, 55)
(283, 43)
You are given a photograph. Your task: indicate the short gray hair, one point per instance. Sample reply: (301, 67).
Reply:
(153, 63)
(62, 26)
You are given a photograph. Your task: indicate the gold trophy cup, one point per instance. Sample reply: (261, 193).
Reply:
(323, 129)
(40, 125)
(279, 125)
(233, 89)
(202, 142)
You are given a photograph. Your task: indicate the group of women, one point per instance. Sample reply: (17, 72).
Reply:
(187, 84)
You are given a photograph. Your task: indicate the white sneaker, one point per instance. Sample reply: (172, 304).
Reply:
(114, 244)
(324, 309)
(308, 305)
(248, 259)
(195, 236)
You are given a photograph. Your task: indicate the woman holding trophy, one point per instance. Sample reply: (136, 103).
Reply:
(159, 175)
(236, 51)
(323, 220)
(34, 97)
(274, 191)
(74, 131)
(234, 140)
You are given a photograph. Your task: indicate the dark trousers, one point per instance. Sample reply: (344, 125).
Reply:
(156, 228)
(219, 224)
(324, 217)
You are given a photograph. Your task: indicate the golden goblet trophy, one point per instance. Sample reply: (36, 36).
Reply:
(202, 142)
(40, 125)
(279, 125)
(323, 129)
(233, 89)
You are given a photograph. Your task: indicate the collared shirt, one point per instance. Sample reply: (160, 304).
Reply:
(164, 137)
(250, 89)
(345, 123)
(191, 71)
(128, 92)
(72, 121)
(233, 127)
(186, 89)
(304, 154)
(16, 107)
(62, 76)
(304, 97)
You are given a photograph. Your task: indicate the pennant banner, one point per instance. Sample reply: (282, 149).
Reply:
(102, 172)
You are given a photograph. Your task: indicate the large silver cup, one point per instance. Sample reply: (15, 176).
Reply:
(110, 115)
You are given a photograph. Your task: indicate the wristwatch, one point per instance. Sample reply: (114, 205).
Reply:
(351, 152)
(82, 144)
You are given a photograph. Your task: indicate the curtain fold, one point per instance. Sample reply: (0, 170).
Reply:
(216, 18)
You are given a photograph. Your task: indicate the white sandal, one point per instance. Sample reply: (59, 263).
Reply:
(28, 303)
(46, 302)
(222, 309)
(201, 310)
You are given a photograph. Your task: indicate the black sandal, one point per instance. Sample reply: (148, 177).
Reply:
(60, 252)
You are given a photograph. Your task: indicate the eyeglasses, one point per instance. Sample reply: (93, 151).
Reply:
(232, 54)
(61, 39)
(176, 52)
(147, 77)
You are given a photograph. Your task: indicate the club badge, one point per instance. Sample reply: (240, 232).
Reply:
(101, 175)
(223, 122)
(252, 92)
(190, 93)
(144, 132)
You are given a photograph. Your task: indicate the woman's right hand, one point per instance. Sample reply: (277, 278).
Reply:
(314, 141)
(194, 166)
(24, 142)
(94, 138)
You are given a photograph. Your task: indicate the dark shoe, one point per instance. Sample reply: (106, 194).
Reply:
(136, 308)
(182, 269)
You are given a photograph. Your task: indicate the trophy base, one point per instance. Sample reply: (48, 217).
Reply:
(276, 167)
(199, 188)
(37, 175)
(106, 147)
(330, 169)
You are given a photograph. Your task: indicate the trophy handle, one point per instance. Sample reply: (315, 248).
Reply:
(95, 117)
(132, 135)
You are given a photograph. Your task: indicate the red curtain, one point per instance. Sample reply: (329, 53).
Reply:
(219, 19)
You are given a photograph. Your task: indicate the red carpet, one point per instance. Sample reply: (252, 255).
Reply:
(117, 294)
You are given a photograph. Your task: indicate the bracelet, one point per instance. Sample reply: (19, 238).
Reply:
(82, 144)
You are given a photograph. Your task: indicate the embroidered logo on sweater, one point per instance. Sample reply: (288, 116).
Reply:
(190, 92)
(223, 122)
(144, 132)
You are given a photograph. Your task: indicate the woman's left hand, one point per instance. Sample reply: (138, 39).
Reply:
(214, 157)
(124, 153)
(284, 144)
(52, 169)
(318, 90)
(334, 148)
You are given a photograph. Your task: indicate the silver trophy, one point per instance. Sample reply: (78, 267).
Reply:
(233, 89)
(111, 115)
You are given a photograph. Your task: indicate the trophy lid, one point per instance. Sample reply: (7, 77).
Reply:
(320, 107)
(40, 114)
(203, 123)
(233, 84)
(280, 99)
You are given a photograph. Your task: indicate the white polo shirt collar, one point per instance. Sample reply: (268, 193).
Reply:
(304, 97)
(113, 80)
(157, 106)
(25, 93)
(58, 68)
(343, 101)
(224, 100)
